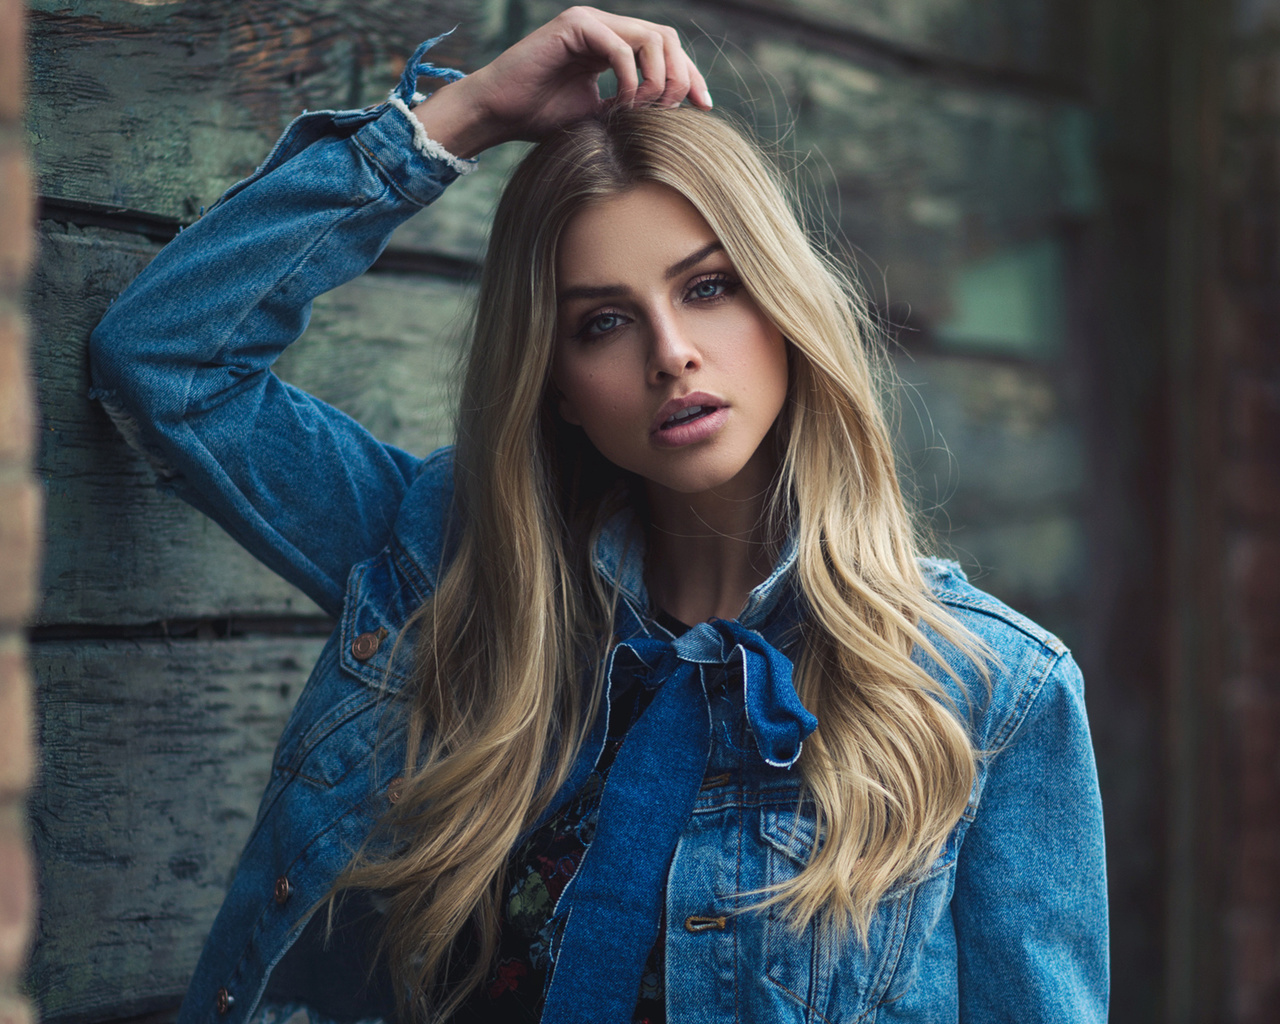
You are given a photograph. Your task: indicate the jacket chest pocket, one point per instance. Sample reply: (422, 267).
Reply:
(350, 703)
(824, 975)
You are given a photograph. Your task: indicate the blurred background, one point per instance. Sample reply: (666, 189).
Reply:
(1066, 214)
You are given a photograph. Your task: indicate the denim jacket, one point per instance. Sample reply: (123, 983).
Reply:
(1008, 924)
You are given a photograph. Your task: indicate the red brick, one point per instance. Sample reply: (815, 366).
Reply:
(16, 410)
(12, 60)
(20, 533)
(17, 901)
(17, 214)
(17, 755)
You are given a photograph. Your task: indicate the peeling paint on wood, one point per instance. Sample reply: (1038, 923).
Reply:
(154, 757)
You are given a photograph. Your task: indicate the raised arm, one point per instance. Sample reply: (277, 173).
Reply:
(182, 360)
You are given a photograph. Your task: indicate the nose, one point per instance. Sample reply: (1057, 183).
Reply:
(671, 352)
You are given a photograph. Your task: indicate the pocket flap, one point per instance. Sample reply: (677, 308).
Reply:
(790, 832)
(373, 617)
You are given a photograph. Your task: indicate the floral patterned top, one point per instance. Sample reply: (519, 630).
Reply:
(539, 870)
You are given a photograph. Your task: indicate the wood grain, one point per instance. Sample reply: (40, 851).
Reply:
(381, 348)
(154, 757)
(916, 176)
(161, 107)
(993, 454)
(1031, 41)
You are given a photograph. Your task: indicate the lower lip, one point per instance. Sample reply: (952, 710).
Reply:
(692, 431)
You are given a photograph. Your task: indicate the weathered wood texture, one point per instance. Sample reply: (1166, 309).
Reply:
(154, 757)
(927, 180)
(381, 348)
(160, 108)
(944, 140)
(995, 454)
(1044, 40)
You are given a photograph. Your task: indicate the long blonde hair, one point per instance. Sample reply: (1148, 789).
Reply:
(499, 709)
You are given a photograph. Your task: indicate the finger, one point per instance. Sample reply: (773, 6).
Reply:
(678, 65)
(623, 61)
(653, 65)
(698, 91)
(602, 41)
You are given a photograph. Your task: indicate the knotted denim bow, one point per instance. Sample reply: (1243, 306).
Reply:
(615, 905)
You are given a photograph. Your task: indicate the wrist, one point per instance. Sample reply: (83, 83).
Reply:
(454, 117)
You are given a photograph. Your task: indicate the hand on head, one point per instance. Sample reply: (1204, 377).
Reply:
(551, 78)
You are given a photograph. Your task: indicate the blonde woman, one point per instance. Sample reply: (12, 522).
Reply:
(642, 704)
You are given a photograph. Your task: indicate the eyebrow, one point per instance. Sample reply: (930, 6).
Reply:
(605, 291)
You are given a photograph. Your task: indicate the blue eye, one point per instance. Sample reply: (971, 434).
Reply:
(602, 324)
(711, 288)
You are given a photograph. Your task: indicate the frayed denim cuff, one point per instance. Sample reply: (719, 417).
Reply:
(405, 96)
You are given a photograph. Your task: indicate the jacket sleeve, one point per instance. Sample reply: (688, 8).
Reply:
(1030, 904)
(182, 361)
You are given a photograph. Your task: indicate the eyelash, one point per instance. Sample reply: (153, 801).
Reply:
(728, 284)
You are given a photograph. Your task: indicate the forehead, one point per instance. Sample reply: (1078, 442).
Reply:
(640, 231)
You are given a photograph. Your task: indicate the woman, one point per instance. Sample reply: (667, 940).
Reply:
(642, 705)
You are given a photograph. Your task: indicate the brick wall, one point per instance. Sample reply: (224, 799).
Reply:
(20, 516)
(1247, 285)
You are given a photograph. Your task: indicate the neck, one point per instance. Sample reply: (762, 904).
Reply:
(707, 551)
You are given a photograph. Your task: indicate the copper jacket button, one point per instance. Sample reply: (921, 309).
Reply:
(225, 1000)
(366, 645)
(283, 890)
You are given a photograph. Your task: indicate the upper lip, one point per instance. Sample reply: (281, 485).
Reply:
(674, 406)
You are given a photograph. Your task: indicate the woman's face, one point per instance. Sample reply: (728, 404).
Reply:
(662, 357)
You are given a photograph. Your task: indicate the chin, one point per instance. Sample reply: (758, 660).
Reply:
(702, 479)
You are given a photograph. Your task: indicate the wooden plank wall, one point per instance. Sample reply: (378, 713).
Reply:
(946, 146)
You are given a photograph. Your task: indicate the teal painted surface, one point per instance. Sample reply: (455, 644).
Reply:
(1013, 302)
(993, 455)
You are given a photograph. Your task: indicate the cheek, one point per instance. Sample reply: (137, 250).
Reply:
(586, 394)
(772, 364)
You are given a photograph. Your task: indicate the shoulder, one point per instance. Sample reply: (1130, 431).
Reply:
(984, 615)
(1022, 659)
